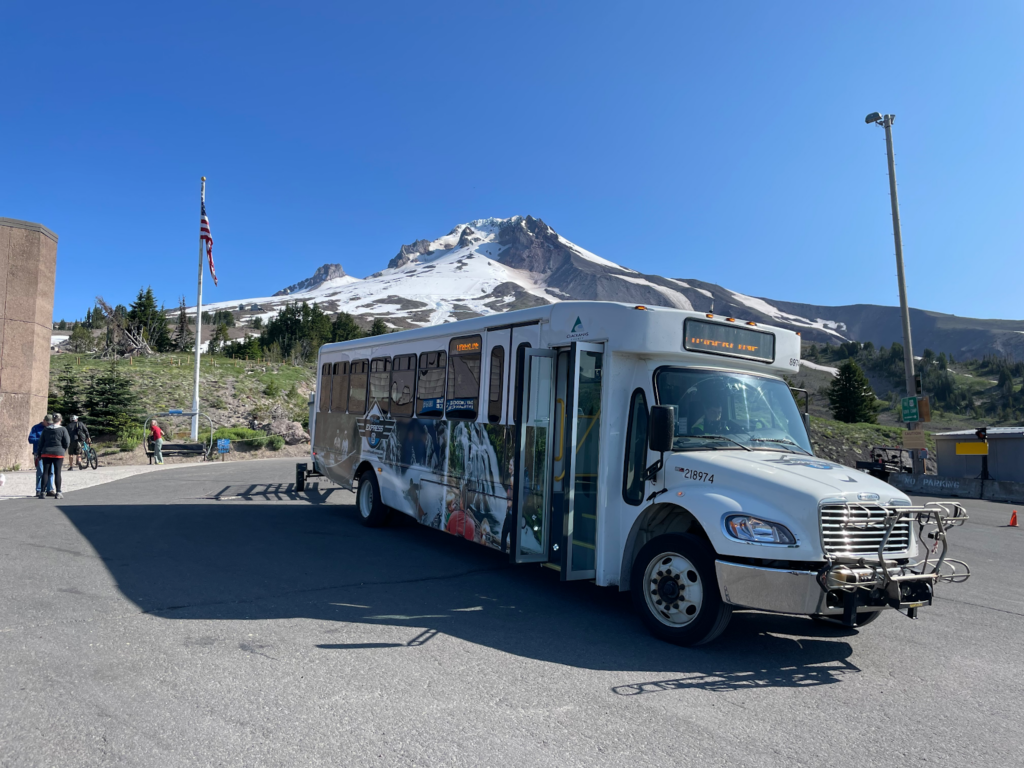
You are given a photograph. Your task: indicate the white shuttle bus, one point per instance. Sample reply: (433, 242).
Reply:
(649, 448)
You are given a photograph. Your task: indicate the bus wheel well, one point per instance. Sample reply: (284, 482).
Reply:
(359, 471)
(658, 519)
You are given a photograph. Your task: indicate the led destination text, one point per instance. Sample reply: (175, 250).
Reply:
(721, 339)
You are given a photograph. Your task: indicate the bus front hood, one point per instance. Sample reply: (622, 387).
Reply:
(786, 488)
(806, 475)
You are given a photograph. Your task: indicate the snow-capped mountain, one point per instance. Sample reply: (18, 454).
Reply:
(321, 276)
(495, 265)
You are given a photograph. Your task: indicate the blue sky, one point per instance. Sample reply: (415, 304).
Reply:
(720, 141)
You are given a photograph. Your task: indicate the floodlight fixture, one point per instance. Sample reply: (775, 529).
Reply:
(874, 117)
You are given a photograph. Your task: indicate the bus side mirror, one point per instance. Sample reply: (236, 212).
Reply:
(807, 423)
(662, 429)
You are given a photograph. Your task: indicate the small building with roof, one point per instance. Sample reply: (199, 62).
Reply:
(1005, 454)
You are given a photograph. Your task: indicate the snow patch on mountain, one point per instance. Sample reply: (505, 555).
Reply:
(592, 256)
(828, 326)
(817, 367)
(675, 299)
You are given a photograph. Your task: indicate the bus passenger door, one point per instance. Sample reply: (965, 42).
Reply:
(579, 509)
(535, 451)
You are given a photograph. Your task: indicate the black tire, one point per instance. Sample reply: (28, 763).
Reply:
(372, 512)
(94, 459)
(300, 479)
(863, 619)
(685, 622)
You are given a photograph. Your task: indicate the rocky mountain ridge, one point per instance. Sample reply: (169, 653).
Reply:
(496, 265)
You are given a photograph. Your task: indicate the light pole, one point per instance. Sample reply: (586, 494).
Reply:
(886, 122)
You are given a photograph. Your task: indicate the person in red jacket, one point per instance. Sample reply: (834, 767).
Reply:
(157, 436)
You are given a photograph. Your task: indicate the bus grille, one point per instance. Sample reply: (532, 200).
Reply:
(859, 530)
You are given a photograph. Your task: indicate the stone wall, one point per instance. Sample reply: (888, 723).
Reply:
(28, 268)
(959, 487)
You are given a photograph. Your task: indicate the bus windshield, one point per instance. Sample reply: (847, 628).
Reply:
(718, 410)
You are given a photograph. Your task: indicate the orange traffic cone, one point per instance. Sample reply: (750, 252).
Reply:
(1013, 519)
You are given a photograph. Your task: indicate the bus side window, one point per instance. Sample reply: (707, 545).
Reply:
(464, 360)
(403, 380)
(636, 450)
(430, 385)
(325, 387)
(339, 396)
(380, 377)
(497, 379)
(357, 386)
(517, 411)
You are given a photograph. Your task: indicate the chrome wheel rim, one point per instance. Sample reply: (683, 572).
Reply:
(673, 589)
(365, 499)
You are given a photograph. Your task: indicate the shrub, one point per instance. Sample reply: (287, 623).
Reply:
(273, 389)
(276, 442)
(130, 436)
(245, 437)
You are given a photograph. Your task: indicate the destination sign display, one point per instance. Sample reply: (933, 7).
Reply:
(465, 344)
(732, 340)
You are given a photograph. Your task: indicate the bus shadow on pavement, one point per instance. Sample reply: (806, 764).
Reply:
(258, 560)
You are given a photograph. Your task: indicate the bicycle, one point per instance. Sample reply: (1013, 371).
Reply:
(88, 458)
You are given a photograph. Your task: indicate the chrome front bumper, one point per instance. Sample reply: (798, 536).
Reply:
(771, 589)
(805, 593)
(854, 583)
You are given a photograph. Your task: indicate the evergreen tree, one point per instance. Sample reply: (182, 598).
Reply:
(70, 393)
(850, 397)
(183, 338)
(80, 339)
(344, 328)
(88, 318)
(247, 348)
(152, 322)
(379, 328)
(62, 325)
(110, 401)
(299, 331)
(219, 339)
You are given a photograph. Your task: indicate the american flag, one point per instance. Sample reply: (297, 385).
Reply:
(204, 235)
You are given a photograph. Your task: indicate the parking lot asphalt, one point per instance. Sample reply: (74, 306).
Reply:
(211, 616)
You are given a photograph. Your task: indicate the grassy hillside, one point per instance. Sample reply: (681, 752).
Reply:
(231, 392)
(850, 443)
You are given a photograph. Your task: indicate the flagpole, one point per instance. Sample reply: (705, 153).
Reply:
(199, 327)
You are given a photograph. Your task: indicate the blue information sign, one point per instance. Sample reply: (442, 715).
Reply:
(173, 411)
(223, 445)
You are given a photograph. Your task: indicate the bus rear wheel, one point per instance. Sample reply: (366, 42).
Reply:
(372, 512)
(675, 590)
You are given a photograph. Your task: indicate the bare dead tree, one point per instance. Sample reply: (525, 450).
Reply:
(123, 340)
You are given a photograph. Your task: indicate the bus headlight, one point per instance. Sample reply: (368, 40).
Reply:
(758, 531)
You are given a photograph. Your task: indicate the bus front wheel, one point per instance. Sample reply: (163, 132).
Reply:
(674, 588)
(372, 512)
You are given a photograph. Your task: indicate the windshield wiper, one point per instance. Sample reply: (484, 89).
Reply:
(719, 437)
(780, 440)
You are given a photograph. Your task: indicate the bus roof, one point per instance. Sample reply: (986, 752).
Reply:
(642, 330)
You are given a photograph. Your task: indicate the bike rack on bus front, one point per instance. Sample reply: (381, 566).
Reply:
(901, 586)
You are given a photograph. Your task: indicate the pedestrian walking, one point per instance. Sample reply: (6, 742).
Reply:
(52, 447)
(34, 436)
(157, 435)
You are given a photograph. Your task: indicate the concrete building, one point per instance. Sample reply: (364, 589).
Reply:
(1005, 454)
(28, 269)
